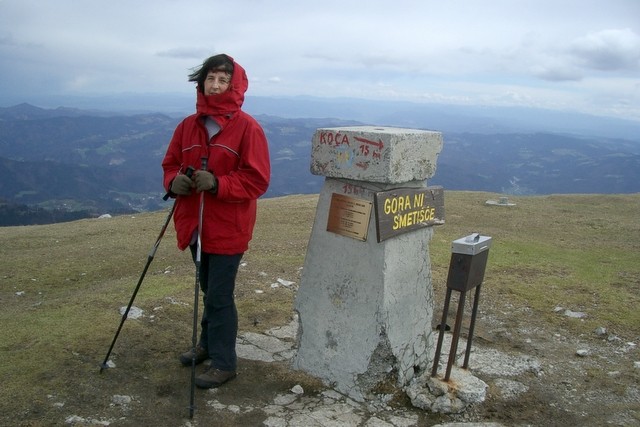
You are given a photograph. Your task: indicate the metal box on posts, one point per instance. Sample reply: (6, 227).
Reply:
(468, 262)
(466, 271)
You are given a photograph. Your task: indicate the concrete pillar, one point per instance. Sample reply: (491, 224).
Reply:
(365, 307)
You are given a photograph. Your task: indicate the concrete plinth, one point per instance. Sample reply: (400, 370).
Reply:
(365, 307)
(375, 154)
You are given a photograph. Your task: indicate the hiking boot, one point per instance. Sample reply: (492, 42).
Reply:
(201, 356)
(214, 377)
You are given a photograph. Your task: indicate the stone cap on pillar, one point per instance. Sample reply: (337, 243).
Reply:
(375, 153)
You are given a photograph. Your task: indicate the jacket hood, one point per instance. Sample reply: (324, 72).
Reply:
(224, 105)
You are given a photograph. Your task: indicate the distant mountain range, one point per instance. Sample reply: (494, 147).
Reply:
(65, 159)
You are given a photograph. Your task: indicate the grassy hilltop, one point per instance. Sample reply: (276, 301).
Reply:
(62, 286)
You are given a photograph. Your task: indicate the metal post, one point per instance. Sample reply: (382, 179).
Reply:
(456, 335)
(443, 324)
(472, 325)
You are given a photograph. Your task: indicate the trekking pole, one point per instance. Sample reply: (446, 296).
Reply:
(150, 257)
(194, 337)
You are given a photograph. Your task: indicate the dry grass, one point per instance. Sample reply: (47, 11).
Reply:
(574, 251)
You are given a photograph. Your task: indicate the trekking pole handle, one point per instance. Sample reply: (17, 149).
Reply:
(189, 173)
(203, 163)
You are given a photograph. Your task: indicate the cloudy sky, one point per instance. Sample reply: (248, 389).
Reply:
(575, 55)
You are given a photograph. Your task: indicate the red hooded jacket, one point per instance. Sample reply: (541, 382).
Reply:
(238, 155)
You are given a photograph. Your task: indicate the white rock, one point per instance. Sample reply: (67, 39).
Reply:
(284, 399)
(286, 283)
(297, 389)
(575, 314)
(582, 352)
(121, 400)
(510, 389)
(134, 312)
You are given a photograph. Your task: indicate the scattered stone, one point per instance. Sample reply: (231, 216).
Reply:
(253, 346)
(636, 365)
(495, 363)
(502, 201)
(285, 283)
(121, 400)
(267, 343)
(259, 291)
(105, 216)
(510, 389)
(77, 420)
(601, 331)
(575, 314)
(297, 389)
(285, 399)
(174, 301)
(377, 422)
(275, 422)
(134, 312)
(216, 405)
(582, 352)
(287, 331)
(469, 425)
(452, 397)
(20, 293)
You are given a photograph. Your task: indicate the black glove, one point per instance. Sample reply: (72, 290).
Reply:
(205, 181)
(181, 185)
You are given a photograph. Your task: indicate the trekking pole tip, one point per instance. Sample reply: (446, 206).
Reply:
(103, 366)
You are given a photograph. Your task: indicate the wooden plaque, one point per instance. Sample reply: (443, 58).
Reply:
(406, 209)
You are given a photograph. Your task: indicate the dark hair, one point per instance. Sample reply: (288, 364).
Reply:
(219, 62)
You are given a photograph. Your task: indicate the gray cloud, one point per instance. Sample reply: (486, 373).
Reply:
(558, 73)
(608, 50)
(411, 49)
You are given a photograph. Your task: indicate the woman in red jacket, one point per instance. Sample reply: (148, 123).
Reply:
(237, 173)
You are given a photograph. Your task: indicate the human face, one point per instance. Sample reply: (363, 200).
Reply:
(216, 82)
